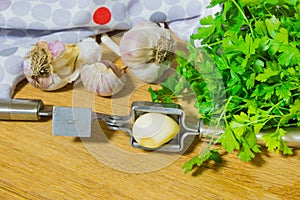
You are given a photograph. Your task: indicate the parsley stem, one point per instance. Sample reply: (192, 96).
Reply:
(215, 43)
(250, 11)
(243, 14)
(225, 108)
(297, 94)
(264, 120)
(267, 9)
(222, 115)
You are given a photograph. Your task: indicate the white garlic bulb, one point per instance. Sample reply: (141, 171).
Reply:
(102, 78)
(147, 49)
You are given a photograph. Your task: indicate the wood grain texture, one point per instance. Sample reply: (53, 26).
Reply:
(36, 165)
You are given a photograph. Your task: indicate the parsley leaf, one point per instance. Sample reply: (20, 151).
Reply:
(274, 142)
(198, 160)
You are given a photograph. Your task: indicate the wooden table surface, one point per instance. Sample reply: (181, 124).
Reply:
(34, 164)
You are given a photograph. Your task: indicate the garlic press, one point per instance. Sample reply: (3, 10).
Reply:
(77, 122)
(125, 123)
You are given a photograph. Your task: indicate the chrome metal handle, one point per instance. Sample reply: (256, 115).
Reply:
(292, 136)
(20, 109)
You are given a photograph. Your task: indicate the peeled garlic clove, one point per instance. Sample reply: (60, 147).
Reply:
(147, 45)
(152, 130)
(100, 78)
(51, 66)
(90, 52)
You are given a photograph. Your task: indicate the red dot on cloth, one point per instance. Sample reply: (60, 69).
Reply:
(102, 16)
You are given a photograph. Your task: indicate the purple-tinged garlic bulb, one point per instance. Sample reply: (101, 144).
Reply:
(51, 66)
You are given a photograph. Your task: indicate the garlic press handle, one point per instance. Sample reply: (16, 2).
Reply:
(292, 136)
(20, 109)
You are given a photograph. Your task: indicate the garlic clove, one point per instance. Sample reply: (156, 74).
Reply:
(101, 79)
(66, 59)
(110, 85)
(90, 52)
(152, 130)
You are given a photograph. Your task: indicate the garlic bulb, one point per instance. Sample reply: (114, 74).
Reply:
(147, 49)
(152, 130)
(102, 78)
(51, 66)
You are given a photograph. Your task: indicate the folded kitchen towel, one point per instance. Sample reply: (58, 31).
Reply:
(23, 23)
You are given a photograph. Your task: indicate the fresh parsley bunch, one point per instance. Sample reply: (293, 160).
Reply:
(245, 75)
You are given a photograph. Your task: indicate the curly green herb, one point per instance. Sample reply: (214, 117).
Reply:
(253, 79)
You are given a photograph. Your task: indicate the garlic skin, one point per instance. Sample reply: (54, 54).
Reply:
(147, 49)
(101, 78)
(152, 130)
(90, 52)
(51, 66)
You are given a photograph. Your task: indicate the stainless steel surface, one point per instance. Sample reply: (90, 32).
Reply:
(20, 109)
(291, 138)
(70, 121)
(46, 111)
